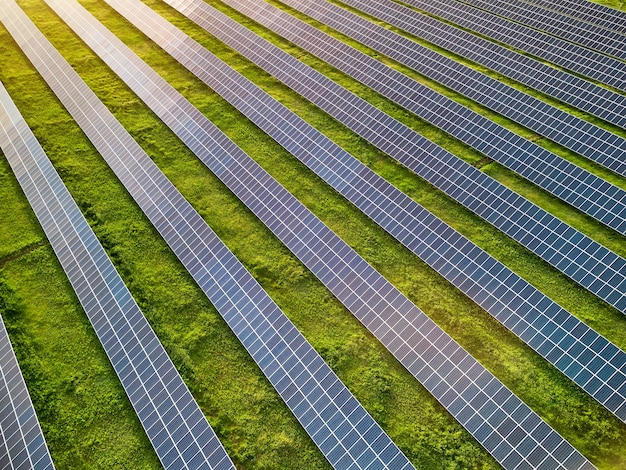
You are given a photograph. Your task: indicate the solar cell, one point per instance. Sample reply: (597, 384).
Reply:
(345, 433)
(460, 261)
(570, 56)
(179, 433)
(584, 260)
(584, 95)
(590, 12)
(566, 27)
(22, 444)
(363, 290)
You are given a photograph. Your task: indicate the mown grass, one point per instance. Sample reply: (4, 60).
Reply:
(255, 427)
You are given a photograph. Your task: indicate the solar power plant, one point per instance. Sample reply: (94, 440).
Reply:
(515, 404)
(361, 289)
(602, 68)
(590, 12)
(566, 27)
(515, 302)
(569, 182)
(570, 89)
(587, 262)
(345, 433)
(178, 431)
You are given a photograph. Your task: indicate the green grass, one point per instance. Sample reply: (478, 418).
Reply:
(71, 380)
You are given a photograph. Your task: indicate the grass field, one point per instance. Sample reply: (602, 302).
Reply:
(87, 420)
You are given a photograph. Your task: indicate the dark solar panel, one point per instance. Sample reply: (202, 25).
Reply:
(22, 444)
(588, 35)
(570, 56)
(570, 131)
(584, 260)
(345, 433)
(510, 299)
(578, 187)
(403, 328)
(590, 12)
(168, 412)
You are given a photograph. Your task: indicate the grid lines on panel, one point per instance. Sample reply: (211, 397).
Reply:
(22, 444)
(566, 27)
(344, 431)
(363, 290)
(578, 187)
(178, 431)
(509, 298)
(575, 133)
(591, 64)
(587, 262)
(590, 12)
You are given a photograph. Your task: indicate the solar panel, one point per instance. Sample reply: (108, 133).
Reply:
(362, 289)
(22, 444)
(527, 310)
(584, 260)
(178, 431)
(588, 35)
(590, 12)
(570, 56)
(582, 94)
(345, 433)
(578, 187)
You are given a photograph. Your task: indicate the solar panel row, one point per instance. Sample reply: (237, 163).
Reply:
(575, 58)
(584, 260)
(578, 187)
(177, 429)
(570, 131)
(22, 445)
(349, 277)
(591, 12)
(340, 426)
(508, 297)
(566, 27)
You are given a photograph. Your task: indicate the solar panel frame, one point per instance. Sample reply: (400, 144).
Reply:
(379, 200)
(306, 383)
(365, 292)
(602, 271)
(22, 443)
(146, 372)
(604, 69)
(574, 185)
(588, 35)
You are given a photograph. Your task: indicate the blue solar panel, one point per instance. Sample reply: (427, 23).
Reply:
(557, 51)
(464, 264)
(605, 202)
(570, 131)
(398, 323)
(22, 444)
(334, 419)
(178, 431)
(566, 27)
(590, 12)
(584, 260)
